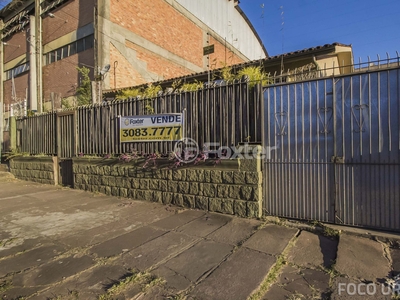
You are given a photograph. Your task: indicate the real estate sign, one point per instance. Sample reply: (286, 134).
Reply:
(151, 128)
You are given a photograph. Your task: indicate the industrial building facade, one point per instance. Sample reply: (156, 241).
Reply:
(44, 41)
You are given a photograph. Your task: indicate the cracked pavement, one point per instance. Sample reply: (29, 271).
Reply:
(59, 243)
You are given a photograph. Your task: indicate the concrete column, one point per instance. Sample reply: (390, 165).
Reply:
(56, 169)
(13, 133)
(33, 99)
(1, 88)
(39, 54)
(1, 123)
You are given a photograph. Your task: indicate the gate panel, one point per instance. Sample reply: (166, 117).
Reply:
(66, 143)
(338, 155)
(299, 173)
(368, 181)
(66, 133)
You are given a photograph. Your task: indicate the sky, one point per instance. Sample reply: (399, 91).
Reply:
(4, 3)
(372, 27)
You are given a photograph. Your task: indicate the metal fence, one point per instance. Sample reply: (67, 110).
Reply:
(338, 155)
(225, 113)
(37, 134)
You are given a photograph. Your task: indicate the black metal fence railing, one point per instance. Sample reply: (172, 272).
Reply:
(225, 113)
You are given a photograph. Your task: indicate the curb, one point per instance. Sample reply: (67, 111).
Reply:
(391, 238)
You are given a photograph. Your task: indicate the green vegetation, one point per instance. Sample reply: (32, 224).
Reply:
(271, 278)
(194, 86)
(5, 285)
(129, 93)
(14, 153)
(226, 73)
(144, 279)
(151, 91)
(255, 75)
(65, 103)
(84, 91)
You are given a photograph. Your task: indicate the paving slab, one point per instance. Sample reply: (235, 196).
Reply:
(33, 223)
(198, 260)
(8, 190)
(157, 293)
(126, 242)
(304, 283)
(235, 231)
(395, 255)
(18, 245)
(353, 289)
(174, 280)
(361, 258)
(142, 211)
(157, 250)
(277, 293)
(312, 250)
(19, 293)
(6, 176)
(271, 240)
(102, 233)
(235, 278)
(53, 272)
(205, 225)
(88, 285)
(29, 259)
(178, 219)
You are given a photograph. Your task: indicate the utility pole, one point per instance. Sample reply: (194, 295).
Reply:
(38, 52)
(2, 88)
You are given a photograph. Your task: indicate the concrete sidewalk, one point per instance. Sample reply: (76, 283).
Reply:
(58, 243)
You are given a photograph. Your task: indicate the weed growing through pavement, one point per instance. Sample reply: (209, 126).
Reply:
(5, 285)
(145, 279)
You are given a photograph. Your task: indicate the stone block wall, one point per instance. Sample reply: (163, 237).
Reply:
(228, 191)
(37, 169)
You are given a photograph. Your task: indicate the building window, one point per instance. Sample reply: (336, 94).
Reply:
(72, 49)
(52, 57)
(65, 51)
(68, 50)
(16, 71)
(89, 42)
(59, 54)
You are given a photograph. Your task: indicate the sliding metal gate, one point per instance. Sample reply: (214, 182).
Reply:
(338, 150)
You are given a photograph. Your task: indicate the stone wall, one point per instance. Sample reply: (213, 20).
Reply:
(234, 187)
(225, 190)
(37, 169)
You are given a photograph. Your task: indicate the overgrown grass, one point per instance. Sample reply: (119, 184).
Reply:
(5, 285)
(271, 277)
(144, 279)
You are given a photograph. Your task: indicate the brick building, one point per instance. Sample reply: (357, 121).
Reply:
(44, 41)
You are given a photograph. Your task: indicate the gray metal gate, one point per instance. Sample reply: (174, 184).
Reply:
(66, 146)
(338, 155)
